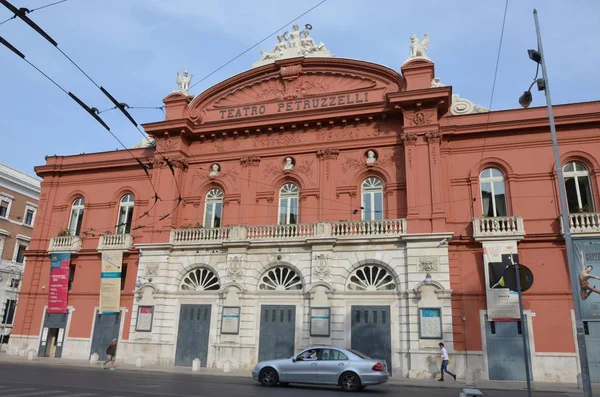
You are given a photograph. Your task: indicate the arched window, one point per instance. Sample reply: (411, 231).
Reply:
(213, 208)
(280, 279)
(370, 278)
(125, 214)
(493, 194)
(372, 199)
(76, 216)
(579, 189)
(288, 204)
(201, 279)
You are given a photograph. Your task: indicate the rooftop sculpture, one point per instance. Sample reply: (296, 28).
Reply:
(297, 43)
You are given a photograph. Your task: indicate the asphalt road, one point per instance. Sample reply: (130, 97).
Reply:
(30, 380)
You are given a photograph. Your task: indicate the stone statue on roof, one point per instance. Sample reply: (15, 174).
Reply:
(183, 82)
(418, 49)
(298, 43)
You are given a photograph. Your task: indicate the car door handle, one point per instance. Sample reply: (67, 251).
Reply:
(313, 365)
(341, 364)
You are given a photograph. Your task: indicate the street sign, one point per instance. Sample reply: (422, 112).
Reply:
(510, 278)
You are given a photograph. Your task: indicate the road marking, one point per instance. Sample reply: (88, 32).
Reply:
(39, 393)
(78, 395)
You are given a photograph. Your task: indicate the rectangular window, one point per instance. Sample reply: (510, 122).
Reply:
(20, 253)
(218, 209)
(9, 311)
(29, 217)
(293, 211)
(14, 283)
(4, 205)
(71, 275)
(123, 276)
(283, 211)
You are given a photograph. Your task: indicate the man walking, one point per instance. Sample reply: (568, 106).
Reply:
(445, 360)
(111, 355)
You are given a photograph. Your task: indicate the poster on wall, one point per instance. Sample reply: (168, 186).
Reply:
(587, 259)
(230, 323)
(58, 289)
(144, 319)
(110, 282)
(430, 323)
(502, 303)
(320, 321)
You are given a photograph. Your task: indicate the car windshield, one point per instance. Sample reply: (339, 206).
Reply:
(359, 354)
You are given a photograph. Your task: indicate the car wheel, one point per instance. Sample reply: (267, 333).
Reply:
(349, 381)
(268, 377)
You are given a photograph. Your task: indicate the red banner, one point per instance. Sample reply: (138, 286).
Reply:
(59, 283)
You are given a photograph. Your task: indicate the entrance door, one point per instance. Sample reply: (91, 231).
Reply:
(505, 350)
(277, 332)
(192, 336)
(592, 341)
(371, 332)
(53, 334)
(106, 329)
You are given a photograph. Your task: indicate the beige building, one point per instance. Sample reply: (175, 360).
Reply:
(19, 194)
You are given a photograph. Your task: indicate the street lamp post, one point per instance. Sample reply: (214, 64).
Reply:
(525, 100)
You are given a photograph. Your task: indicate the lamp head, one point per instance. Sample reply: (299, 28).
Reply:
(525, 99)
(535, 56)
(138, 283)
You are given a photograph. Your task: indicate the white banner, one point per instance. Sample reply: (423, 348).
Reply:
(502, 303)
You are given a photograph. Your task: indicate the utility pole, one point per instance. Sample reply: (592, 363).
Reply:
(564, 212)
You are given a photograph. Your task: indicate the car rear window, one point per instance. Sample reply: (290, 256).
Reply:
(359, 354)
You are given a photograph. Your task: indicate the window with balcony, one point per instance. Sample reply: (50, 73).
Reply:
(213, 208)
(29, 217)
(578, 187)
(76, 216)
(125, 214)
(493, 193)
(288, 204)
(372, 199)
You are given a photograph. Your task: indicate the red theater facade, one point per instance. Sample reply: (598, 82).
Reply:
(324, 201)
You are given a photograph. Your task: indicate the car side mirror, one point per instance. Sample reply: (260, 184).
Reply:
(293, 359)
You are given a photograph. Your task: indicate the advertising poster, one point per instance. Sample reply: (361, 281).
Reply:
(587, 258)
(319, 321)
(110, 282)
(230, 323)
(502, 303)
(430, 323)
(144, 318)
(58, 289)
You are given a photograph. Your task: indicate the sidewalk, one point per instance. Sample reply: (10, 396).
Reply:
(432, 383)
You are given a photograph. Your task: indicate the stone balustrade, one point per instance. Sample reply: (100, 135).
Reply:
(64, 244)
(383, 228)
(584, 223)
(115, 242)
(498, 227)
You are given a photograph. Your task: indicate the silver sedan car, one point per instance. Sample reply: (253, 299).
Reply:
(324, 365)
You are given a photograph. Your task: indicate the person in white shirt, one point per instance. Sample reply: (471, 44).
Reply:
(445, 359)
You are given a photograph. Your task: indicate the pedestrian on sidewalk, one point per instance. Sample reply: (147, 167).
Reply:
(445, 361)
(111, 355)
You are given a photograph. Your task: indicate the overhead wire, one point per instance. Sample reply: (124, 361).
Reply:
(27, 11)
(95, 112)
(257, 44)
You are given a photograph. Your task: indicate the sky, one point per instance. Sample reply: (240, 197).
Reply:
(134, 48)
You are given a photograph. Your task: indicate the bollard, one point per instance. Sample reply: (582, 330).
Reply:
(196, 365)
(94, 359)
(30, 355)
(227, 366)
(139, 362)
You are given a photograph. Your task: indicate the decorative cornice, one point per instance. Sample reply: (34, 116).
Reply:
(328, 154)
(250, 161)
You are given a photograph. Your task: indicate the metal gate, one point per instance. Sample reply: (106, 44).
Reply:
(505, 350)
(277, 332)
(192, 336)
(371, 332)
(592, 340)
(57, 322)
(106, 328)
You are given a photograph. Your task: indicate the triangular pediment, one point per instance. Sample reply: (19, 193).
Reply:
(299, 85)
